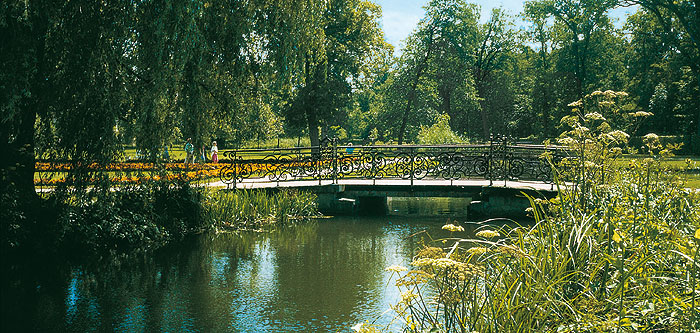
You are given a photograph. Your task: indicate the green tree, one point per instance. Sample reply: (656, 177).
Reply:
(542, 90)
(665, 39)
(433, 73)
(439, 133)
(82, 78)
(496, 39)
(349, 35)
(580, 20)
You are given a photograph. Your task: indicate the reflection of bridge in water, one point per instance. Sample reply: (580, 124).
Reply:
(350, 175)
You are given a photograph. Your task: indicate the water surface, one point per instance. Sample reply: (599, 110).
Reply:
(323, 276)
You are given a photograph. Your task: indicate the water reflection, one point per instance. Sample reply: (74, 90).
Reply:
(323, 276)
(429, 206)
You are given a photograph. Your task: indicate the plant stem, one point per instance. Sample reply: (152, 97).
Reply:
(622, 290)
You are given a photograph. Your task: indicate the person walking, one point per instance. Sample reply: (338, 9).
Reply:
(214, 153)
(202, 158)
(166, 153)
(189, 151)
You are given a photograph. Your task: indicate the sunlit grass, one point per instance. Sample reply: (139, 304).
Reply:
(255, 209)
(616, 251)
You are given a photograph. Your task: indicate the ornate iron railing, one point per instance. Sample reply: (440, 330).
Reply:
(497, 160)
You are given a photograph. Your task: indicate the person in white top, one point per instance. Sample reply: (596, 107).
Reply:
(214, 153)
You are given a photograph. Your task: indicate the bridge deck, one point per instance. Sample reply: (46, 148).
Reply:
(264, 183)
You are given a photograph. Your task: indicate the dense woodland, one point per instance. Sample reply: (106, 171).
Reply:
(80, 80)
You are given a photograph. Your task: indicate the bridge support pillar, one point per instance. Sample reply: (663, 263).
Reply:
(330, 204)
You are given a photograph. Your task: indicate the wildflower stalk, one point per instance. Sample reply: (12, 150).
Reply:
(622, 291)
(546, 279)
(694, 264)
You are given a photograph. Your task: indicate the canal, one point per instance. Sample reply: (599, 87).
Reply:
(326, 275)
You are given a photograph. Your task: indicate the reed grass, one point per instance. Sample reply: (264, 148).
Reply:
(616, 252)
(255, 209)
(626, 263)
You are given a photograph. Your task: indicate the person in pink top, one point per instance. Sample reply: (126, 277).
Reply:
(214, 153)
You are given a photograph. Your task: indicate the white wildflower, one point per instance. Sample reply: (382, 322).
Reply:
(357, 327)
(641, 114)
(594, 116)
(396, 268)
(488, 234)
(452, 227)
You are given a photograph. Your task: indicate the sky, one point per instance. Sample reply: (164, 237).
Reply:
(401, 16)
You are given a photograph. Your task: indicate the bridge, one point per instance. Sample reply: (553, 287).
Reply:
(352, 178)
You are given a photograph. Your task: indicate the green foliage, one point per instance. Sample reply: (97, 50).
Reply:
(13, 222)
(349, 40)
(256, 209)
(82, 79)
(607, 253)
(439, 133)
(432, 75)
(661, 75)
(130, 218)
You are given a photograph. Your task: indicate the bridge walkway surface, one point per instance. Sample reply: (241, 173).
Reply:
(417, 184)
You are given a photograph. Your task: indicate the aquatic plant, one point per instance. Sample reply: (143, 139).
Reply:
(253, 209)
(616, 251)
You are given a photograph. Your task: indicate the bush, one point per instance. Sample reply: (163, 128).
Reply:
(439, 133)
(136, 217)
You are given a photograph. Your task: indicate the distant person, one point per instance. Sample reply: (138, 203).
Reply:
(189, 151)
(350, 149)
(166, 153)
(214, 153)
(202, 157)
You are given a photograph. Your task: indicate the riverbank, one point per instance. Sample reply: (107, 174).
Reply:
(618, 253)
(107, 220)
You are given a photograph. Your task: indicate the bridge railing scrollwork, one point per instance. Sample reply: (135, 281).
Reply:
(497, 160)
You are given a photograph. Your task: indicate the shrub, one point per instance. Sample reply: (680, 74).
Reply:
(134, 217)
(439, 133)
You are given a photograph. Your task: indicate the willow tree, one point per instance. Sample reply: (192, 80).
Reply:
(76, 76)
(61, 75)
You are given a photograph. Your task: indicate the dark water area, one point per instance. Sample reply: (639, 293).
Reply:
(326, 275)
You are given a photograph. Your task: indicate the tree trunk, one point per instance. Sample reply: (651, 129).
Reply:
(312, 121)
(19, 159)
(24, 150)
(409, 105)
(315, 78)
(697, 121)
(412, 93)
(485, 123)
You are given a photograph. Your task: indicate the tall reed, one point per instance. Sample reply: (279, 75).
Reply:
(254, 209)
(614, 253)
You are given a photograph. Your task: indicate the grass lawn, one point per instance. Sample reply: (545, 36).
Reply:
(687, 166)
(176, 154)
